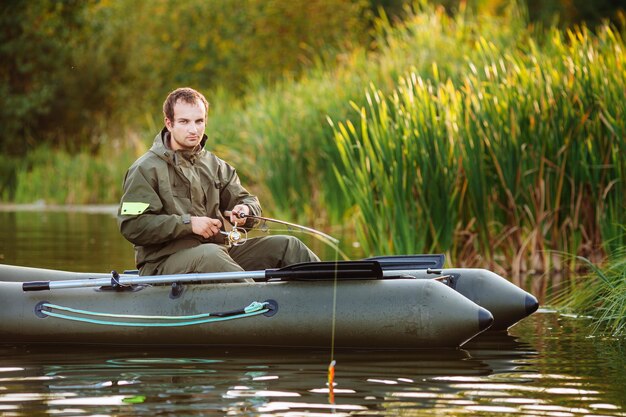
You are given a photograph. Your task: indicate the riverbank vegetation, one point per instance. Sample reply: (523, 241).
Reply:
(600, 294)
(482, 135)
(501, 153)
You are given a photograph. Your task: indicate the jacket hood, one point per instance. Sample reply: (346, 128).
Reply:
(160, 148)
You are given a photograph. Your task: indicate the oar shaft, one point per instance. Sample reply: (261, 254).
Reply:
(373, 268)
(304, 271)
(147, 279)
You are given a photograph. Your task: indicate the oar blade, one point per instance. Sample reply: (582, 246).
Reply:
(406, 262)
(340, 270)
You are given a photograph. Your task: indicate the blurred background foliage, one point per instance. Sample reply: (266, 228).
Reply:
(78, 73)
(509, 124)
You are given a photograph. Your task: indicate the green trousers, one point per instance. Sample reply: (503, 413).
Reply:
(254, 255)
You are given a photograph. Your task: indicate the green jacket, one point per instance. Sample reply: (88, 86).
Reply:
(164, 188)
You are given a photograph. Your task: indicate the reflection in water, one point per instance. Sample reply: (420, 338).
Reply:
(86, 242)
(497, 373)
(64, 240)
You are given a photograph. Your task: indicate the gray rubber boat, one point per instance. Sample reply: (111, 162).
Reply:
(312, 305)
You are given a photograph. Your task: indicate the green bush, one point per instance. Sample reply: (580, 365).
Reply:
(36, 50)
(473, 134)
(79, 178)
(76, 73)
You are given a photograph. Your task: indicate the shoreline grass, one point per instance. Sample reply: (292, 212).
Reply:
(600, 294)
(518, 157)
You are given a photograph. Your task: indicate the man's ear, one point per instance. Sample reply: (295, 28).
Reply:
(168, 124)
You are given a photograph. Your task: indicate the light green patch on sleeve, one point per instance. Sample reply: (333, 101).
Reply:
(133, 209)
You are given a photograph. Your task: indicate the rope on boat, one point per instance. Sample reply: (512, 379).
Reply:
(254, 309)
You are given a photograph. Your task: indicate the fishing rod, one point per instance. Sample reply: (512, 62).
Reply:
(236, 236)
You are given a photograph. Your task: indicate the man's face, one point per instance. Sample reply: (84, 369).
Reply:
(188, 125)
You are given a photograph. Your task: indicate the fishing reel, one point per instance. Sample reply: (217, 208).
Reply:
(236, 237)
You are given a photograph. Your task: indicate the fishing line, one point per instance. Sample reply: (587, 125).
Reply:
(291, 227)
(331, 366)
(333, 243)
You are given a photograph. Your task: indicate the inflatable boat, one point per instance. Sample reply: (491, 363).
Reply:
(383, 302)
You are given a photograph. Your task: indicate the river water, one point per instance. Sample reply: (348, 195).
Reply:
(546, 365)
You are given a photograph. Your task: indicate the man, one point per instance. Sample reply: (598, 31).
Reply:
(175, 197)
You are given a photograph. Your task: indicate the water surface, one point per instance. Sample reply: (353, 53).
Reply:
(547, 365)
(544, 366)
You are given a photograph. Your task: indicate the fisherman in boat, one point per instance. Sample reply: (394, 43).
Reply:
(175, 198)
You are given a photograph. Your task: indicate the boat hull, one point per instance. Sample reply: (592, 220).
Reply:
(507, 302)
(386, 313)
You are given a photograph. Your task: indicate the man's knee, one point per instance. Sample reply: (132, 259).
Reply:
(214, 258)
(204, 258)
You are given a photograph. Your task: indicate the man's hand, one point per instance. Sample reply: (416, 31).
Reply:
(236, 212)
(205, 226)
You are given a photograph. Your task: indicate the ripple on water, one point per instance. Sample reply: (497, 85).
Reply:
(522, 372)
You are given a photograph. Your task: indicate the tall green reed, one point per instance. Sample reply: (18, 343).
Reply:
(399, 167)
(283, 133)
(536, 134)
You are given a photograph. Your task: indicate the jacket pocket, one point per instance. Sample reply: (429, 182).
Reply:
(181, 200)
(212, 190)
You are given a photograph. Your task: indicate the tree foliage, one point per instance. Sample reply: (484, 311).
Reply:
(75, 70)
(76, 73)
(35, 48)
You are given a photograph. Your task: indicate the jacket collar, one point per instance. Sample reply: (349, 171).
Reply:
(161, 148)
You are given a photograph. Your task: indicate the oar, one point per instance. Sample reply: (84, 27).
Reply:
(341, 270)
(391, 265)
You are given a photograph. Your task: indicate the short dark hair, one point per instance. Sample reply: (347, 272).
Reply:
(186, 95)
